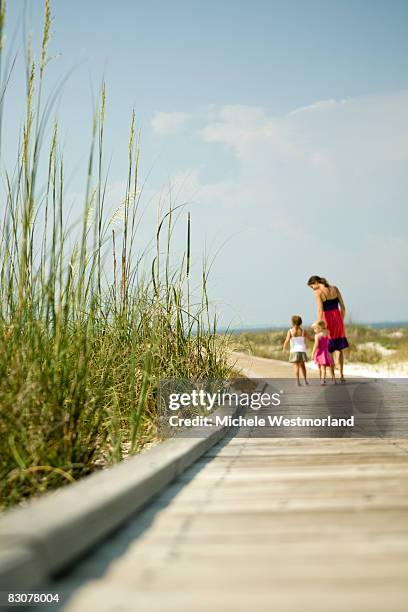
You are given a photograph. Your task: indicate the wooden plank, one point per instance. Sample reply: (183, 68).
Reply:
(269, 524)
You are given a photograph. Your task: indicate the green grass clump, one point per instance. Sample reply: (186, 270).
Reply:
(263, 343)
(83, 344)
(366, 344)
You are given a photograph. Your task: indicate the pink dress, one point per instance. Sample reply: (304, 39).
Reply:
(322, 355)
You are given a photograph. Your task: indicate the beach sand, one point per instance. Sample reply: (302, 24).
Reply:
(366, 370)
(256, 367)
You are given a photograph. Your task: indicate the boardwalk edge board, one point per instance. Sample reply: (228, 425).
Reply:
(48, 534)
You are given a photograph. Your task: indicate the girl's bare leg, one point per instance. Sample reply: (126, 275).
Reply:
(302, 365)
(296, 371)
(320, 373)
(324, 373)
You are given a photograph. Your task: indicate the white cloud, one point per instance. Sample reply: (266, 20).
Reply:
(166, 124)
(321, 104)
(236, 126)
(323, 190)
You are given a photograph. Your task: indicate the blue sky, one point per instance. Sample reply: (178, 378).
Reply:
(284, 124)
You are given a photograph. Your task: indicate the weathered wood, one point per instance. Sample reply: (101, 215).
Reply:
(266, 524)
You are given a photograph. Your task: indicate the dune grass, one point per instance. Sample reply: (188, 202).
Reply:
(368, 344)
(83, 343)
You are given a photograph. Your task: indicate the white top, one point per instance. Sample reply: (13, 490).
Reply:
(297, 344)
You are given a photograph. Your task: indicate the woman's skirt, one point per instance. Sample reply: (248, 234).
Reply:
(335, 325)
(297, 357)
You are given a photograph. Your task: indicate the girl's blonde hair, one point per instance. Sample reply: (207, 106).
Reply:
(319, 324)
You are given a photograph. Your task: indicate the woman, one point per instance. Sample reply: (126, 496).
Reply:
(331, 310)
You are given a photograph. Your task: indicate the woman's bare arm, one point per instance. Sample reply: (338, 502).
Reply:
(319, 303)
(342, 305)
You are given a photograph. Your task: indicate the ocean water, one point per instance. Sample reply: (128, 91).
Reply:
(387, 324)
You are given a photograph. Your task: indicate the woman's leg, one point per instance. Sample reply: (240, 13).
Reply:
(341, 364)
(333, 375)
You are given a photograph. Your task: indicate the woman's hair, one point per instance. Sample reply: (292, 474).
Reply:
(296, 320)
(318, 279)
(320, 324)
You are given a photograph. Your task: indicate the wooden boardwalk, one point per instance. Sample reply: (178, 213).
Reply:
(263, 524)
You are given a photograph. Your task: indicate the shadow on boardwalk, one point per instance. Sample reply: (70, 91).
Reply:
(98, 559)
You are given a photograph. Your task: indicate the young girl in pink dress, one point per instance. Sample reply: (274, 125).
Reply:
(320, 352)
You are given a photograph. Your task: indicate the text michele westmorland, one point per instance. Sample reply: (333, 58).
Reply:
(256, 421)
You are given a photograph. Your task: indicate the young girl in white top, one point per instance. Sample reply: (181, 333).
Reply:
(297, 355)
